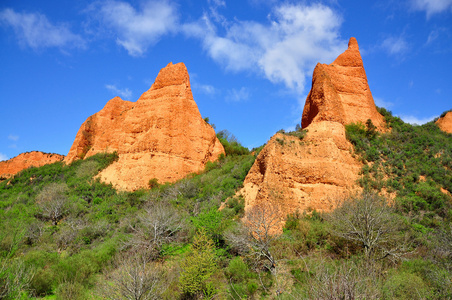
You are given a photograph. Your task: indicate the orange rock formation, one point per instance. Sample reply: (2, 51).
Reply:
(311, 173)
(340, 92)
(162, 135)
(320, 169)
(445, 123)
(26, 160)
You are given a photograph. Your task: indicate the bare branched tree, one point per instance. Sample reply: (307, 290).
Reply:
(258, 231)
(53, 202)
(68, 233)
(158, 224)
(369, 221)
(136, 278)
(346, 281)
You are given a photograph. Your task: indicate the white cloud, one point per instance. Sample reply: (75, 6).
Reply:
(382, 103)
(125, 94)
(35, 30)
(205, 89)
(285, 50)
(432, 7)
(136, 30)
(236, 95)
(415, 120)
(395, 45)
(3, 157)
(13, 137)
(434, 34)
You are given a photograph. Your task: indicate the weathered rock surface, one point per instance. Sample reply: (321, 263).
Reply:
(340, 92)
(311, 173)
(445, 123)
(162, 135)
(26, 160)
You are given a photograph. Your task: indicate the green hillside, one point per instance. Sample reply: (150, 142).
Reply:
(65, 235)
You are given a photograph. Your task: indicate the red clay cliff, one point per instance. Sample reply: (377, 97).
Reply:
(340, 92)
(321, 168)
(445, 123)
(26, 160)
(162, 135)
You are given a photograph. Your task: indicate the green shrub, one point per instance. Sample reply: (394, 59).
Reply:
(153, 183)
(231, 144)
(70, 291)
(198, 266)
(405, 285)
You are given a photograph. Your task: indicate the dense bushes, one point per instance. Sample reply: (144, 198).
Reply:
(231, 144)
(413, 162)
(175, 242)
(63, 227)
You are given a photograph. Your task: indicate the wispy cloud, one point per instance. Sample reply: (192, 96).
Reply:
(137, 29)
(415, 120)
(395, 45)
(36, 31)
(382, 103)
(125, 94)
(205, 89)
(285, 49)
(13, 137)
(237, 95)
(3, 157)
(432, 7)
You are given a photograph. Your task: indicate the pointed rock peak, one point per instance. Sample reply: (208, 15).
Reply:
(162, 135)
(340, 92)
(351, 57)
(353, 44)
(172, 75)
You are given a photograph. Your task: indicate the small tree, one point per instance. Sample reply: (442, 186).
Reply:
(371, 222)
(256, 235)
(159, 224)
(198, 266)
(135, 279)
(52, 201)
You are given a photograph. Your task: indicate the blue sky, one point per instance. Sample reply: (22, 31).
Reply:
(250, 61)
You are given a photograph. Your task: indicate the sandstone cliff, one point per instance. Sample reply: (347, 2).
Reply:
(445, 123)
(162, 135)
(26, 160)
(340, 92)
(311, 173)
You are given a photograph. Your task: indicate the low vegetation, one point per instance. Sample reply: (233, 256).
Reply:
(66, 235)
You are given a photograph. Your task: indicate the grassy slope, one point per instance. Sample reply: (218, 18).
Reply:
(77, 254)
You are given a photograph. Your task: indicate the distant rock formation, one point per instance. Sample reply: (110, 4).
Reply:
(307, 174)
(445, 123)
(162, 135)
(26, 160)
(340, 92)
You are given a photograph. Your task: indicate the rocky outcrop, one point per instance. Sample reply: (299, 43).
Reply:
(311, 173)
(26, 160)
(340, 92)
(162, 135)
(445, 123)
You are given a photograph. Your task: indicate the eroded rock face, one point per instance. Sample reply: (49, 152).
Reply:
(311, 173)
(162, 135)
(445, 123)
(26, 160)
(340, 92)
